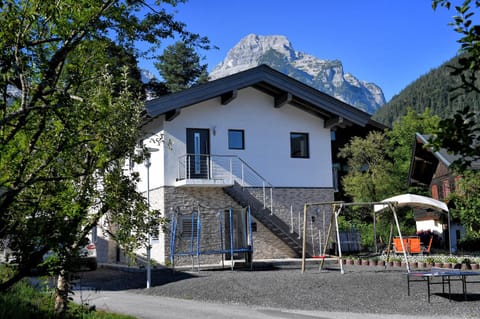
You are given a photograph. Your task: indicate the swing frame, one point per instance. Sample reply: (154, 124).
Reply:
(338, 207)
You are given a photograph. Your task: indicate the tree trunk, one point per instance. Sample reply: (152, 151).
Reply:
(61, 294)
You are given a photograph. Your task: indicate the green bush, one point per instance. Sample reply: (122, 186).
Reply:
(23, 301)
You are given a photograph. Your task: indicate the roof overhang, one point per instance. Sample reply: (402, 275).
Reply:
(283, 88)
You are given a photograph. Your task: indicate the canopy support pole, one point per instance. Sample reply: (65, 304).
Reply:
(339, 245)
(400, 235)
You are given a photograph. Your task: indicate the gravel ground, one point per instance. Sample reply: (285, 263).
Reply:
(361, 289)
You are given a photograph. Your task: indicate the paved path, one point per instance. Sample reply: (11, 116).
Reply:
(155, 307)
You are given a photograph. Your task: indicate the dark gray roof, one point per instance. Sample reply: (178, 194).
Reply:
(442, 154)
(282, 87)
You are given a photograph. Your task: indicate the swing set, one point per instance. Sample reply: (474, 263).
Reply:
(339, 208)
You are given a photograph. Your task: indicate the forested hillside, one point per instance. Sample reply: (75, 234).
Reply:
(432, 90)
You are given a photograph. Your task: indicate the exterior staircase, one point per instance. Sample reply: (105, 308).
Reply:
(264, 215)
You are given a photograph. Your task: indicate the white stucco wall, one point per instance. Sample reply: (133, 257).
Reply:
(430, 224)
(154, 139)
(267, 138)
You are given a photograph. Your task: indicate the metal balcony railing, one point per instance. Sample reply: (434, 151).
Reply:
(223, 169)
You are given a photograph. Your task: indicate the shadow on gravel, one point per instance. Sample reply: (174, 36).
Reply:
(116, 280)
(460, 297)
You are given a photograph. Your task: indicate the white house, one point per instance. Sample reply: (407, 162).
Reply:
(257, 138)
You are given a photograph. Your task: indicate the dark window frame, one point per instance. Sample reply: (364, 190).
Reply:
(295, 135)
(230, 146)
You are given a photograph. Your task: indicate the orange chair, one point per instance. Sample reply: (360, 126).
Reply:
(427, 250)
(397, 245)
(414, 246)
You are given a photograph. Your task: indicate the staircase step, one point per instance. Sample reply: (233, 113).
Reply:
(276, 225)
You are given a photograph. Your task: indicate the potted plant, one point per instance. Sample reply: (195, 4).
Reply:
(429, 262)
(348, 260)
(450, 262)
(397, 261)
(466, 264)
(381, 262)
(373, 261)
(475, 264)
(421, 264)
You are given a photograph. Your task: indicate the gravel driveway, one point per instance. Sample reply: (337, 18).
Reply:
(361, 289)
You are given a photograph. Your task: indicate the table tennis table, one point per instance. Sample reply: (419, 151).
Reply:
(446, 275)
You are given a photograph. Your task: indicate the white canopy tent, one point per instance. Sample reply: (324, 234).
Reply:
(412, 200)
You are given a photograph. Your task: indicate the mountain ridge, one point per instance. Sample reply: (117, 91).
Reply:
(326, 76)
(433, 90)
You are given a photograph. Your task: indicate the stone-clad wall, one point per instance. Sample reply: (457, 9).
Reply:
(288, 204)
(210, 199)
(269, 246)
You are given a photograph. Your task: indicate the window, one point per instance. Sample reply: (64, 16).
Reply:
(236, 139)
(446, 188)
(299, 145)
(335, 169)
(435, 192)
(189, 226)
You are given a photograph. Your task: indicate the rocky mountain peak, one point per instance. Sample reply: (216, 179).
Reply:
(325, 75)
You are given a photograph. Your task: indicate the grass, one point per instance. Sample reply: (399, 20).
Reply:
(23, 301)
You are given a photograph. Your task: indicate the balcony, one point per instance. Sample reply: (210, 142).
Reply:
(216, 171)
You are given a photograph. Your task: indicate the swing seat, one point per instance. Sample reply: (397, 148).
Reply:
(397, 245)
(411, 244)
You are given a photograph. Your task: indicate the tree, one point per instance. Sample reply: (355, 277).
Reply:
(180, 67)
(460, 135)
(370, 177)
(379, 166)
(467, 202)
(67, 122)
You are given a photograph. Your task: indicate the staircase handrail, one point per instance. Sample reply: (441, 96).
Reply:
(243, 162)
(241, 177)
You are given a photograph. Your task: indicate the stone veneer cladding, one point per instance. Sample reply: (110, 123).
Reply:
(289, 202)
(266, 244)
(211, 199)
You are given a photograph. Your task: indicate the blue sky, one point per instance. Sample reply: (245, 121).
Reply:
(389, 43)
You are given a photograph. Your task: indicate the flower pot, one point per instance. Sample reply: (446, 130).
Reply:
(438, 264)
(372, 263)
(381, 263)
(474, 266)
(365, 262)
(397, 264)
(447, 265)
(466, 267)
(357, 262)
(413, 264)
(421, 265)
(348, 261)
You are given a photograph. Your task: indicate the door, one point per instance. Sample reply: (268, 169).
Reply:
(198, 150)
(236, 230)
